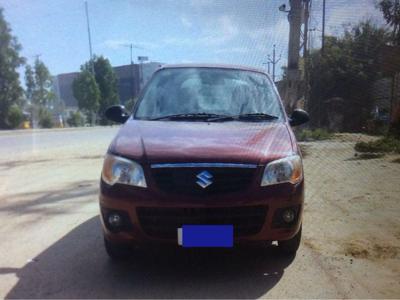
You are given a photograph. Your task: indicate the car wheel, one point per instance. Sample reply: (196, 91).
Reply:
(117, 251)
(291, 246)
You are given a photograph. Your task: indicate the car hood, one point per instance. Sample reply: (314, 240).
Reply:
(177, 141)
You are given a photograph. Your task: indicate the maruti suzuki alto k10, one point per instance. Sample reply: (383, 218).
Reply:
(207, 158)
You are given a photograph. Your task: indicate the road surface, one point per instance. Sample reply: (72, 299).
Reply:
(51, 242)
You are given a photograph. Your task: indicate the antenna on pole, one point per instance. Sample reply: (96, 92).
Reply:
(89, 37)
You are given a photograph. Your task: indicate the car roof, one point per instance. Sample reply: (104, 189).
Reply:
(216, 66)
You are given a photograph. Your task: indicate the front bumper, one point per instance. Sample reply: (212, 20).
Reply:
(132, 202)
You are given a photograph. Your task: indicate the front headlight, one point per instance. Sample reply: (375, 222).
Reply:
(124, 171)
(288, 169)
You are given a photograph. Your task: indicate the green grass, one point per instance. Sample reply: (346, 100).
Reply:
(382, 145)
(318, 134)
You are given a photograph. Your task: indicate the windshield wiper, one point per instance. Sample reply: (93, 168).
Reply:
(192, 116)
(250, 116)
(257, 116)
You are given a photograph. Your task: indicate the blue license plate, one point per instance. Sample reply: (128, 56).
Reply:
(205, 236)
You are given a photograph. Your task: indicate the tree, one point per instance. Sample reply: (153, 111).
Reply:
(87, 93)
(15, 116)
(107, 83)
(42, 96)
(39, 92)
(391, 13)
(346, 70)
(10, 89)
(30, 83)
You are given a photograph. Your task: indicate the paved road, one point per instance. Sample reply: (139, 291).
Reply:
(33, 141)
(51, 245)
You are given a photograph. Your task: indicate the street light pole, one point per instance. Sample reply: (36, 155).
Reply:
(89, 37)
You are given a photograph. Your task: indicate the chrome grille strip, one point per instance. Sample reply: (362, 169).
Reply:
(203, 165)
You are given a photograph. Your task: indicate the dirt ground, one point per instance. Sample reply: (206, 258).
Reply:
(352, 217)
(51, 245)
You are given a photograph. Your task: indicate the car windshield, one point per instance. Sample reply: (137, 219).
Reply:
(208, 91)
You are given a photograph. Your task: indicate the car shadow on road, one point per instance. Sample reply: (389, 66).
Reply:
(77, 266)
(41, 202)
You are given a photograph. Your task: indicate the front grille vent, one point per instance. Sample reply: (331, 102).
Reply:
(163, 222)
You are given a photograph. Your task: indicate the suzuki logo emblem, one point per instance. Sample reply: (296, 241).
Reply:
(204, 179)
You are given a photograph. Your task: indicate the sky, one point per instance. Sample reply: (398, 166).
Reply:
(168, 31)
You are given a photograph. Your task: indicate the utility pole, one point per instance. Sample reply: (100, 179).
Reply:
(131, 46)
(306, 49)
(306, 16)
(34, 110)
(323, 25)
(297, 16)
(293, 72)
(132, 66)
(273, 61)
(89, 37)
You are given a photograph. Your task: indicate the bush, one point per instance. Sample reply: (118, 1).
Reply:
(318, 134)
(385, 145)
(76, 119)
(46, 119)
(15, 116)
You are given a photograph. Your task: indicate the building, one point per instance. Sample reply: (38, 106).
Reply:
(130, 80)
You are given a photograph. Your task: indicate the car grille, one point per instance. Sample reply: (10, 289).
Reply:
(183, 180)
(163, 222)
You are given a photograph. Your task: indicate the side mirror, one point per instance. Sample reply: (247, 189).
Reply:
(117, 113)
(299, 117)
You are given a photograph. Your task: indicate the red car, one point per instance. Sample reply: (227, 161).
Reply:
(207, 158)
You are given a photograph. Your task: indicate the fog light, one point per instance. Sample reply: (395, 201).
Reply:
(114, 220)
(288, 215)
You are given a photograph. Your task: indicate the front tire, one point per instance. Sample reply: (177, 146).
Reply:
(291, 246)
(116, 251)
